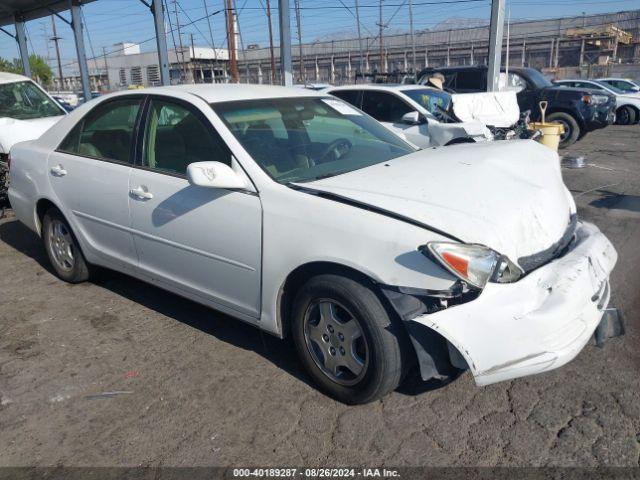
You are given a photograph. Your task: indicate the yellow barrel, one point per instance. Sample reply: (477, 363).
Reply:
(550, 133)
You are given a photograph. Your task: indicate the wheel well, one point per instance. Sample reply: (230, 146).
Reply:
(42, 206)
(632, 107)
(568, 112)
(459, 140)
(297, 278)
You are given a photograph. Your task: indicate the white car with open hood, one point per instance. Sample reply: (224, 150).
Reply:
(428, 117)
(293, 211)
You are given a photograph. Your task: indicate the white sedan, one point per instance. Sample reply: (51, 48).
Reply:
(627, 103)
(293, 211)
(26, 110)
(415, 112)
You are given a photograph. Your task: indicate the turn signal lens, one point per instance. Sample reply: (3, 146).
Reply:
(475, 264)
(586, 99)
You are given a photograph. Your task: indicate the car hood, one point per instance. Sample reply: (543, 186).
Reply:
(13, 131)
(508, 196)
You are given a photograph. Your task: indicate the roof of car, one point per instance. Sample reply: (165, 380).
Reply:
(6, 77)
(380, 86)
(215, 93)
(616, 78)
(577, 80)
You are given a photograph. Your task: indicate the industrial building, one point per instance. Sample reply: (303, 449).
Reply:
(130, 67)
(585, 46)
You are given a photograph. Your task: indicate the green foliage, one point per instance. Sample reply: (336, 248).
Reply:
(39, 68)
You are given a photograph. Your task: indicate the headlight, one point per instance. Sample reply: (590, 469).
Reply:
(595, 99)
(599, 99)
(474, 264)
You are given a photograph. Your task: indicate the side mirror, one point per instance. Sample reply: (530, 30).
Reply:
(214, 175)
(413, 118)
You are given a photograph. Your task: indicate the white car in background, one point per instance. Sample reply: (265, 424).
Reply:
(627, 104)
(625, 84)
(26, 110)
(416, 112)
(293, 211)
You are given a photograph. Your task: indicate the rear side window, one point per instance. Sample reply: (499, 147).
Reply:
(384, 107)
(351, 96)
(175, 137)
(469, 81)
(106, 133)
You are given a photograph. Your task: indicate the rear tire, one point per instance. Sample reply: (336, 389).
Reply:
(323, 313)
(571, 128)
(626, 115)
(62, 248)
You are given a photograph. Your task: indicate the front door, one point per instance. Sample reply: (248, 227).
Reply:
(89, 174)
(204, 242)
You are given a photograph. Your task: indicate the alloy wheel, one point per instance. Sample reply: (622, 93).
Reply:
(61, 245)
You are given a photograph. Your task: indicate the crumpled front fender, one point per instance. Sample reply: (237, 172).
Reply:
(536, 324)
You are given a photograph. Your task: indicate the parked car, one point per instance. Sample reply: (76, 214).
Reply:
(580, 111)
(26, 111)
(627, 104)
(293, 211)
(418, 113)
(63, 102)
(625, 84)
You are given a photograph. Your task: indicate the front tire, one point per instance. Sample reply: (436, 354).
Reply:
(571, 128)
(626, 115)
(62, 248)
(346, 340)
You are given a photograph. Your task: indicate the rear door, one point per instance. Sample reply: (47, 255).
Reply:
(89, 174)
(202, 242)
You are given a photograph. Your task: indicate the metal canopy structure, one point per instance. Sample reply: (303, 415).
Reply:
(30, 9)
(17, 12)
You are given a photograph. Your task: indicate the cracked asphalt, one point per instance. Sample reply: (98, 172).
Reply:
(190, 386)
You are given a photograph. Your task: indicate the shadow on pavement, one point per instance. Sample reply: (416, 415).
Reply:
(223, 327)
(617, 201)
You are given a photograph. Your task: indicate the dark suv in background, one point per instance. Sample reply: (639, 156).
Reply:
(579, 110)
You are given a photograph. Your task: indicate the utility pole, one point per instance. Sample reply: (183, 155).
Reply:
(175, 9)
(302, 72)
(381, 25)
(359, 36)
(55, 39)
(106, 66)
(496, 29)
(231, 41)
(413, 38)
(213, 44)
(193, 60)
(273, 58)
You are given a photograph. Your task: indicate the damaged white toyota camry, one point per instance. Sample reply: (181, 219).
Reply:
(295, 212)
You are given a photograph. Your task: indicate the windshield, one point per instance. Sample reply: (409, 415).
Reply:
(611, 87)
(538, 80)
(433, 100)
(304, 138)
(25, 101)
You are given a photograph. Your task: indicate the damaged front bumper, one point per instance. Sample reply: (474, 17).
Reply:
(536, 324)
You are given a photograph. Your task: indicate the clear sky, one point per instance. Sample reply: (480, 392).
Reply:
(112, 21)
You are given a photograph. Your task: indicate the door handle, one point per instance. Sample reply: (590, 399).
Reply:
(58, 171)
(141, 193)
